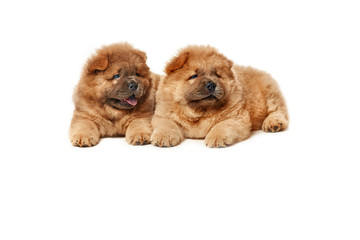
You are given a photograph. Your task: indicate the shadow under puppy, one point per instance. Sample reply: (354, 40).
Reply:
(114, 97)
(204, 95)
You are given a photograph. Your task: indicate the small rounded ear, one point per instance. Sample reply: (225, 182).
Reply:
(98, 63)
(177, 62)
(141, 54)
(229, 63)
(226, 67)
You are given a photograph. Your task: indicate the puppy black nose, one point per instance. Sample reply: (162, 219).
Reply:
(133, 86)
(210, 86)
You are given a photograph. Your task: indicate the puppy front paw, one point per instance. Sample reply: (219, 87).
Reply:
(274, 123)
(219, 140)
(82, 140)
(166, 138)
(138, 138)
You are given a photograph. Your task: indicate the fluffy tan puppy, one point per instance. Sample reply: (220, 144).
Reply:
(115, 97)
(204, 95)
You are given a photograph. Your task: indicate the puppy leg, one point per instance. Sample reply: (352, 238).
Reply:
(139, 131)
(228, 132)
(166, 133)
(83, 132)
(277, 116)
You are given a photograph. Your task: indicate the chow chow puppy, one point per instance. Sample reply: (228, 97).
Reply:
(204, 95)
(115, 97)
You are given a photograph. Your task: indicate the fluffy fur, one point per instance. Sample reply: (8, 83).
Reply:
(204, 95)
(114, 97)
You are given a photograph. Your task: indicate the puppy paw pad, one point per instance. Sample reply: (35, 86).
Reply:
(139, 138)
(84, 141)
(218, 141)
(274, 124)
(165, 140)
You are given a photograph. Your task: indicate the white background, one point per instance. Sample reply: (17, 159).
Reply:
(303, 183)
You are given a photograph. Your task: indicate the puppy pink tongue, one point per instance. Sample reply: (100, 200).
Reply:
(131, 100)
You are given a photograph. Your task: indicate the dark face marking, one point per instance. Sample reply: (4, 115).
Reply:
(205, 91)
(126, 92)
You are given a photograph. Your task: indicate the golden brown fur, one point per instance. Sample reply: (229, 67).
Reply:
(114, 97)
(204, 95)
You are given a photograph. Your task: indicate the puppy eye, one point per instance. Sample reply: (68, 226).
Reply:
(193, 76)
(138, 75)
(116, 76)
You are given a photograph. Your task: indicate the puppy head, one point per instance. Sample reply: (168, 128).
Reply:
(202, 75)
(117, 76)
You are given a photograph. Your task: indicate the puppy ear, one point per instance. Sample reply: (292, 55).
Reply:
(98, 63)
(225, 67)
(229, 66)
(177, 62)
(229, 63)
(141, 54)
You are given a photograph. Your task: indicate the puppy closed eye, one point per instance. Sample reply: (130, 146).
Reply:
(216, 73)
(193, 76)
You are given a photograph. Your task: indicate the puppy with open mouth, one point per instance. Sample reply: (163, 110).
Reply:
(204, 95)
(114, 97)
